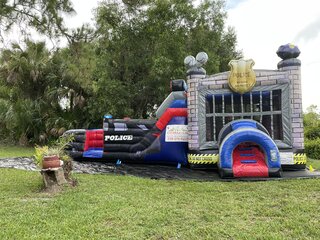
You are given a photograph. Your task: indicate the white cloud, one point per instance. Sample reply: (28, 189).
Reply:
(262, 26)
(310, 32)
(233, 3)
(84, 13)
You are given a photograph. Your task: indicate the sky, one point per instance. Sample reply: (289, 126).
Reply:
(261, 27)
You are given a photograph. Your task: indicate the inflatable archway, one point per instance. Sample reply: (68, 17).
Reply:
(247, 150)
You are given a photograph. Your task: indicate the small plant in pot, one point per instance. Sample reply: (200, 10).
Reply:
(54, 156)
(47, 158)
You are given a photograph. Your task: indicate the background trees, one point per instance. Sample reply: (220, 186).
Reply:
(311, 122)
(45, 16)
(32, 86)
(142, 45)
(123, 67)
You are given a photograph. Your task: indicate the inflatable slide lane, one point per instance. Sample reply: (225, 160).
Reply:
(246, 150)
(161, 141)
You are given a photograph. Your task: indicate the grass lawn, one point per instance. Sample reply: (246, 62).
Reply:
(15, 151)
(314, 163)
(124, 207)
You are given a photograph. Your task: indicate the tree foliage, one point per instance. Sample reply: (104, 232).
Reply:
(45, 16)
(122, 68)
(311, 122)
(41, 92)
(142, 45)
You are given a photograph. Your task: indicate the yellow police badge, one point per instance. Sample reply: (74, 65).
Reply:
(242, 77)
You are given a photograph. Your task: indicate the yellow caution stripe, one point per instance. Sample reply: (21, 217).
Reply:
(300, 158)
(203, 158)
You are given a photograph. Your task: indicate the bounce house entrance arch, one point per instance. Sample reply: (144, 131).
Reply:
(247, 150)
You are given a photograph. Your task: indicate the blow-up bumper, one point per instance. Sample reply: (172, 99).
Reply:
(136, 141)
(246, 150)
(162, 141)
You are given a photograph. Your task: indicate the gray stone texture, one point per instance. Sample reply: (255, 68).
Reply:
(287, 74)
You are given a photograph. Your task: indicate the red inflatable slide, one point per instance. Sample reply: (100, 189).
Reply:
(249, 161)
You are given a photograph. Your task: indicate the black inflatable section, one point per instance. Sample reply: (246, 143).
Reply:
(134, 132)
(178, 85)
(225, 173)
(130, 123)
(134, 136)
(76, 146)
(80, 138)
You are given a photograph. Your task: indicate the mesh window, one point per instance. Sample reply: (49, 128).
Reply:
(277, 126)
(228, 103)
(266, 101)
(237, 103)
(218, 103)
(209, 129)
(261, 106)
(209, 105)
(266, 122)
(247, 103)
(276, 100)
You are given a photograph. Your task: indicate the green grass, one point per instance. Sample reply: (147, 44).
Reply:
(15, 151)
(124, 207)
(314, 163)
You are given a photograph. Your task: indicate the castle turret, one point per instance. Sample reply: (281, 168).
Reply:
(289, 63)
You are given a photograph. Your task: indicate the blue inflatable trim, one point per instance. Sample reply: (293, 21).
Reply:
(93, 153)
(171, 152)
(179, 103)
(248, 161)
(240, 124)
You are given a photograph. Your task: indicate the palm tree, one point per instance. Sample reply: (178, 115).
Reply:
(34, 92)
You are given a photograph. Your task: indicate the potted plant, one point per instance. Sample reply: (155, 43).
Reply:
(54, 156)
(47, 158)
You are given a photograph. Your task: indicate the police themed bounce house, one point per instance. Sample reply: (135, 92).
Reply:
(245, 123)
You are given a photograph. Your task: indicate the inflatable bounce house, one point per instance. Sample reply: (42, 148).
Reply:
(244, 122)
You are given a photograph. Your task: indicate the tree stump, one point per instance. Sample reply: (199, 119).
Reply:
(67, 169)
(53, 178)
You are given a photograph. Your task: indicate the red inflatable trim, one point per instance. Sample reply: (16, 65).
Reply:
(94, 139)
(169, 114)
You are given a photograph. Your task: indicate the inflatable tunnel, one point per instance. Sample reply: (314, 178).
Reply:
(247, 150)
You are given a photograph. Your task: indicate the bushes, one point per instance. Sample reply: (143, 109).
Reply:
(311, 122)
(312, 141)
(312, 148)
(312, 133)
